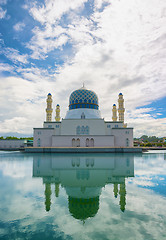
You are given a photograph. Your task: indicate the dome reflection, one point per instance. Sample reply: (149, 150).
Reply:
(83, 179)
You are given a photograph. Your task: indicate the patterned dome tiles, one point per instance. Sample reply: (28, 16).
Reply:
(83, 98)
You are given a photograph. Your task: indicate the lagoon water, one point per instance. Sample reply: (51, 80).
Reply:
(83, 196)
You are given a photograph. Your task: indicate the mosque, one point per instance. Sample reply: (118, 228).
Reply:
(83, 125)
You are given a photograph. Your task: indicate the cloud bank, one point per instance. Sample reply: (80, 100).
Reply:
(112, 47)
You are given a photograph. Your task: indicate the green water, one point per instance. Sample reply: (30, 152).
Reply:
(90, 196)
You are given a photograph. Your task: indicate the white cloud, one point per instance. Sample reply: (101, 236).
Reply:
(19, 26)
(45, 41)
(51, 35)
(2, 13)
(14, 55)
(53, 10)
(4, 67)
(23, 99)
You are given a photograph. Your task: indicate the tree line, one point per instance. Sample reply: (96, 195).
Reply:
(16, 138)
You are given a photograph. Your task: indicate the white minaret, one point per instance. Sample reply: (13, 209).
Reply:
(114, 113)
(121, 108)
(49, 108)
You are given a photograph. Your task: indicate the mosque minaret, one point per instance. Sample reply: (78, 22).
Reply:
(49, 109)
(121, 108)
(114, 113)
(57, 117)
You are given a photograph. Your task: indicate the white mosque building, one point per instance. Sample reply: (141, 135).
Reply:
(83, 125)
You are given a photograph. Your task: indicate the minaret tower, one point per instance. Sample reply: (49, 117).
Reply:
(57, 117)
(49, 108)
(121, 108)
(114, 113)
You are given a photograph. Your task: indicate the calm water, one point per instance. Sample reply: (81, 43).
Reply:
(93, 196)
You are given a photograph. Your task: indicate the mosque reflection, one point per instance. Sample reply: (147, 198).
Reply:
(83, 179)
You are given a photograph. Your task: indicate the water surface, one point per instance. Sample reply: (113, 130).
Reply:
(83, 196)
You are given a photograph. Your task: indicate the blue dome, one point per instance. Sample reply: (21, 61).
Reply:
(120, 94)
(49, 94)
(83, 98)
(114, 104)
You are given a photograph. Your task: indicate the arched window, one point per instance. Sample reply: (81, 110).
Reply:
(87, 142)
(83, 116)
(82, 130)
(73, 142)
(78, 142)
(91, 142)
(78, 130)
(87, 130)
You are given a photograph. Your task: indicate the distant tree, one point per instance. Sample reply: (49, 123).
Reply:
(11, 138)
(148, 144)
(144, 138)
(142, 144)
(159, 144)
(16, 138)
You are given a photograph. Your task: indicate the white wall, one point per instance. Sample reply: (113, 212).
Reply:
(96, 126)
(56, 125)
(121, 135)
(9, 144)
(99, 141)
(45, 136)
(110, 125)
(103, 137)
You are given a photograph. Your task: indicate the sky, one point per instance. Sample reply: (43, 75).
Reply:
(54, 46)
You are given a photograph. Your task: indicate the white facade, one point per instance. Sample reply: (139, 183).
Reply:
(83, 126)
(12, 144)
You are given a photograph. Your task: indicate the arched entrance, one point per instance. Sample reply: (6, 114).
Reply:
(87, 142)
(73, 142)
(91, 142)
(78, 142)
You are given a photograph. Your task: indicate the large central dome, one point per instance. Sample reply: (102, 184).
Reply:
(83, 98)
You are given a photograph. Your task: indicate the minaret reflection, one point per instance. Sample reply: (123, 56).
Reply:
(56, 189)
(47, 196)
(83, 179)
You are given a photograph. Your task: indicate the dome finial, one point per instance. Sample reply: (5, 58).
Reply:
(83, 85)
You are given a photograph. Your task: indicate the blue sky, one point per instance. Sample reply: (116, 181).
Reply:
(56, 45)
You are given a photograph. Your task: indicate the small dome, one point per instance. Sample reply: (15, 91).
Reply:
(120, 94)
(49, 94)
(114, 104)
(83, 98)
(57, 105)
